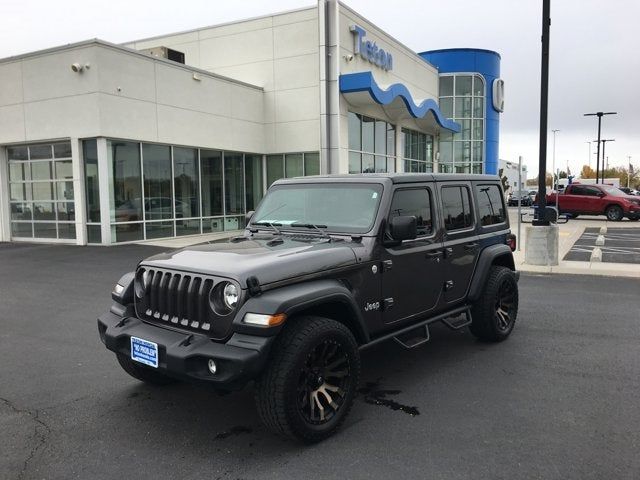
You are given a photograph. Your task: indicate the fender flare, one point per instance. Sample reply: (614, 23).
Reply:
(487, 258)
(292, 299)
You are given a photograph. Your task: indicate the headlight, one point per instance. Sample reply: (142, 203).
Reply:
(230, 295)
(223, 298)
(143, 282)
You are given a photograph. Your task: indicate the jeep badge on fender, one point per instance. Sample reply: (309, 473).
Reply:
(290, 303)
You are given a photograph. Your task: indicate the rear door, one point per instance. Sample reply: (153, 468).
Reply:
(461, 242)
(412, 274)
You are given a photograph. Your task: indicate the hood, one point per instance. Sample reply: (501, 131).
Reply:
(269, 259)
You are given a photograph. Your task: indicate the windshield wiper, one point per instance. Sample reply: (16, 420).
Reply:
(311, 225)
(270, 224)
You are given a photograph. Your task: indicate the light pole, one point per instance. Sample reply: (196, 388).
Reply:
(541, 216)
(553, 161)
(629, 170)
(599, 115)
(604, 142)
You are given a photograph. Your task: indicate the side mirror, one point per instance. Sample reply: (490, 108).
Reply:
(403, 228)
(601, 194)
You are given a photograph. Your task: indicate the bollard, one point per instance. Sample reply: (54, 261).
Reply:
(596, 255)
(600, 240)
(603, 230)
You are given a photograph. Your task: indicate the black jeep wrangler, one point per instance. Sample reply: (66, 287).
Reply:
(327, 266)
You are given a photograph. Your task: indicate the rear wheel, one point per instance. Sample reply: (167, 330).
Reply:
(142, 373)
(614, 213)
(494, 314)
(309, 385)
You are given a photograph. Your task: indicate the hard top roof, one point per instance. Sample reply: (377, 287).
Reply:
(393, 177)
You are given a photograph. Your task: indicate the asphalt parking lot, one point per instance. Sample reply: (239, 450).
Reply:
(559, 399)
(622, 245)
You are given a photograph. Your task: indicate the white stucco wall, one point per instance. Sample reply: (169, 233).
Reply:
(279, 53)
(125, 95)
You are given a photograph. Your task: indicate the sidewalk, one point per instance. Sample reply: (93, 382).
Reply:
(569, 233)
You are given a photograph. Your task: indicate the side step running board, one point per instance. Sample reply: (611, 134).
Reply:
(458, 322)
(414, 338)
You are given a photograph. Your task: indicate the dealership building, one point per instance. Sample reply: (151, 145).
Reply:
(182, 134)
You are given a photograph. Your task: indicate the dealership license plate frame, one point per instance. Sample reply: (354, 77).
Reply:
(145, 352)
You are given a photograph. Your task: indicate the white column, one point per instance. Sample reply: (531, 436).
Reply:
(104, 182)
(79, 193)
(436, 152)
(5, 215)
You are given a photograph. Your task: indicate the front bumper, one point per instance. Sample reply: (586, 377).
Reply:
(185, 356)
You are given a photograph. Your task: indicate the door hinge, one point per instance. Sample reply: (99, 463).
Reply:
(387, 265)
(448, 285)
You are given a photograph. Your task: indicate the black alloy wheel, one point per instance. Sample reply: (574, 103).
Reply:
(505, 301)
(310, 380)
(493, 315)
(323, 383)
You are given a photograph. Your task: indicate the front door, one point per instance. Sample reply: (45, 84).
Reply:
(412, 271)
(461, 243)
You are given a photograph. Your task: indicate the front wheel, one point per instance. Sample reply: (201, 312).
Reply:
(308, 388)
(614, 213)
(494, 314)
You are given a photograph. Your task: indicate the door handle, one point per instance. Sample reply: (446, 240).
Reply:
(471, 246)
(448, 252)
(434, 254)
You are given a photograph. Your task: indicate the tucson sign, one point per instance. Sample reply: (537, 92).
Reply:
(369, 50)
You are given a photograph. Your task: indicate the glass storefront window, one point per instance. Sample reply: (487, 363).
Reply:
(355, 141)
(418, 151)
(275, 168)
(126, 205)
(156, 164)
(311, 164)
(462, 98)
(185, 182)
(211, 171)
(92, 187)
(41, 191)
(376, 151)
(253, 180)
(233, 183)
(293, 165)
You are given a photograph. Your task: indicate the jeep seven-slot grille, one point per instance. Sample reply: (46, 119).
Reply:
(181, 299)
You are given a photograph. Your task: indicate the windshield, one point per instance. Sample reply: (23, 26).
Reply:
(339, 207)
(616, 192)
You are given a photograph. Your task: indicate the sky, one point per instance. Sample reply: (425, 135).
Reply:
(594, 63)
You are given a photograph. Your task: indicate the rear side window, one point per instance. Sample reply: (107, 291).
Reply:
(414, 202)
(456, 208)
(490, 205)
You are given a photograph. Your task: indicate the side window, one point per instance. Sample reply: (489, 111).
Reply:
(416, 202)
(456, 208)
(591, 191)
(490, 205)
(576, 190)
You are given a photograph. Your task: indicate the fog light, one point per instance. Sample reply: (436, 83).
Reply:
(213, 368)
(118, 289)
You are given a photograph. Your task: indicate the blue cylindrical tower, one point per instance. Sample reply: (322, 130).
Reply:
(485, 63)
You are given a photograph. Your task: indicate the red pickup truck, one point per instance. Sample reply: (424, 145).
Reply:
(578, 199)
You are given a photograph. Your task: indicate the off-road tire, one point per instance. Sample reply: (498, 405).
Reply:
(486, 323)
(614, 213)
(142, 373)
(277, 390)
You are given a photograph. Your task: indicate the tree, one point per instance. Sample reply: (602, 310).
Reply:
(533, 182)
(504, 180)
(587, 172)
